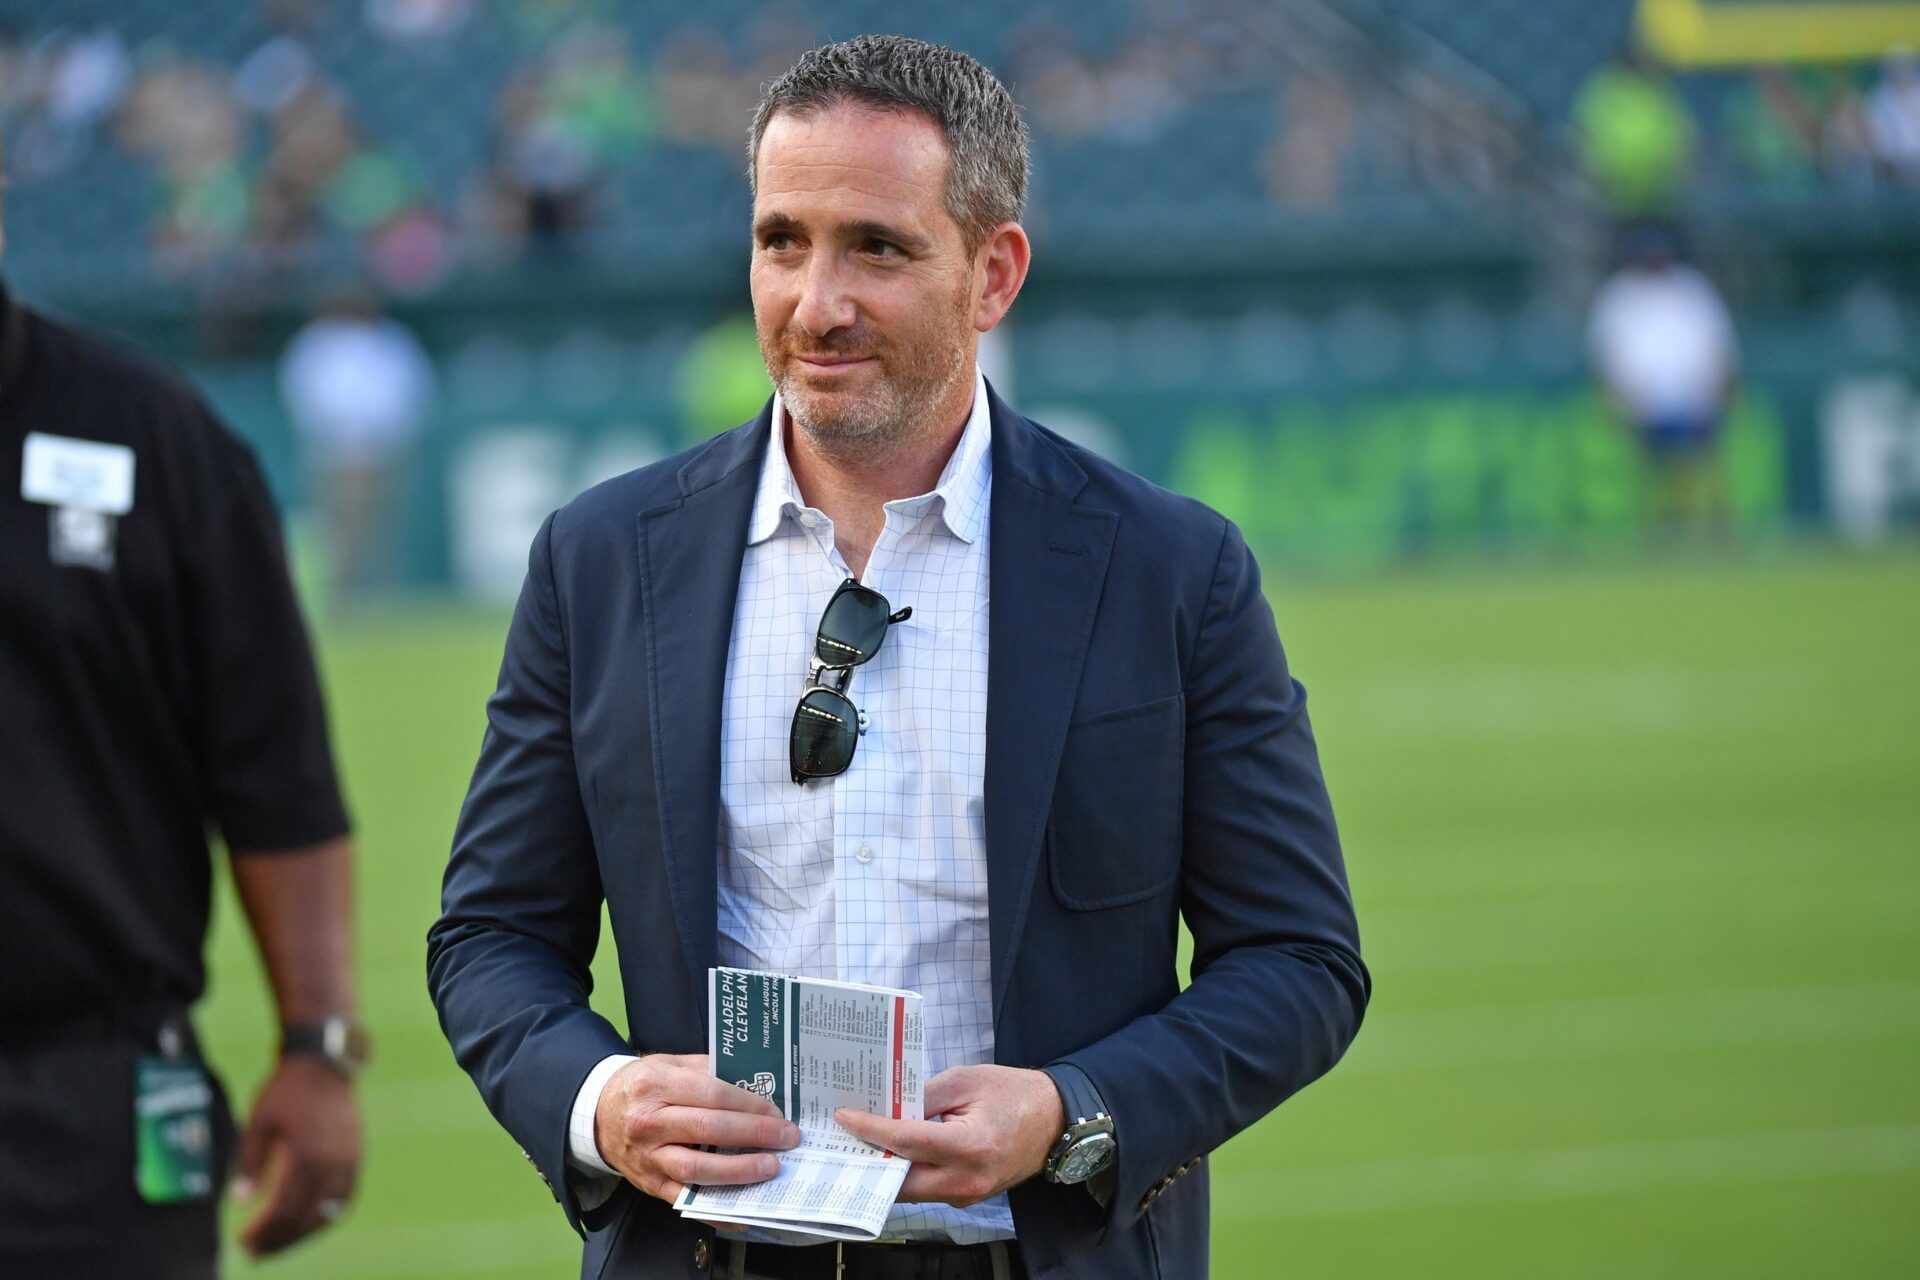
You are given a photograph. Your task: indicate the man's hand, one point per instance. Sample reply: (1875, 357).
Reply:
(303, 1139)
(995, 1128)
(657, 1112)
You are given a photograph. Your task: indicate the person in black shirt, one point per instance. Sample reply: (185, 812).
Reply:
(156, 682)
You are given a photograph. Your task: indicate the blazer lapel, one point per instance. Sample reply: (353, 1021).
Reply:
(1048, 562)
(690, 555)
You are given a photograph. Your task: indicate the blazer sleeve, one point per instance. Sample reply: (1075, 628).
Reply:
(507, 961)
(1278, 986)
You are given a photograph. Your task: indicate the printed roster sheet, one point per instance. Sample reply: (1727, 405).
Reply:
(812, 1046)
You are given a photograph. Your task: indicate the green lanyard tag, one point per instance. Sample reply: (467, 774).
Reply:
(173, 1121)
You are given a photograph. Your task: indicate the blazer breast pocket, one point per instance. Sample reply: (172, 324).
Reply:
(1115, 830)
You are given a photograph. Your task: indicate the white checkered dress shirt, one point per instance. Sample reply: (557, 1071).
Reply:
(878, 875)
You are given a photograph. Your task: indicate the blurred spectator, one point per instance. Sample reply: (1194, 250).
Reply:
(1664, 352)
(560, 126)
(1058, 88)
(64, 87)
(183, 118)
(1305, 164)
(1808, 127)
(1636, 136)
(1846, 142)
(702, 97)
(273, 75)
(417, 19)
(311, 142)
(1773, 124)
(1143, 97)
(358, 385)
(1460, 145)
(1893, 117)
(1159, 72)
(723, 378)
(776, 34)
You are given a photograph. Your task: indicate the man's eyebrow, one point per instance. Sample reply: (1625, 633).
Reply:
(769, 223)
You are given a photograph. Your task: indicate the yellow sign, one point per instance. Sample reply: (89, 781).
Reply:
(1695, 33)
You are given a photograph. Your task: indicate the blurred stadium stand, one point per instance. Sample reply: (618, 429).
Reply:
(205, 145)
(1353, 212)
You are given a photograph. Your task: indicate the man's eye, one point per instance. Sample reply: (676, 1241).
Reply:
(883, 249)
(777, 242)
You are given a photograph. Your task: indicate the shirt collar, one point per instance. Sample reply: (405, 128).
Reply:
(960, 497)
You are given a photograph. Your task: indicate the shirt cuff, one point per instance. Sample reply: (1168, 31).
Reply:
(583, 1149)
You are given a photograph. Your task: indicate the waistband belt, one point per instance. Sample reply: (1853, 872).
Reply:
(909, 1261)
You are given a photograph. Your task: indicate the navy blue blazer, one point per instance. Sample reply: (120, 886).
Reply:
(1148, 756)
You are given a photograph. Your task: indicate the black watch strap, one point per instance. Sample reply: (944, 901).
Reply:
(1077, 1093)
(1081, 1101)
(339, 1041)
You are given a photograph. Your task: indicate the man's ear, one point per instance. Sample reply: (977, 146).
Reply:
(1001, 266)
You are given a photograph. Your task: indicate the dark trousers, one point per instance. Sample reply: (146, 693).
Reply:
(736, 1261)
(69, 1209)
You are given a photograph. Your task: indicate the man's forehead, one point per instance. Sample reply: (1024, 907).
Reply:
(857, 150)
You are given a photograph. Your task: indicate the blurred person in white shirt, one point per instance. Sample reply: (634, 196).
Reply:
(358, 386)
(1893, 116)
(1665, 353)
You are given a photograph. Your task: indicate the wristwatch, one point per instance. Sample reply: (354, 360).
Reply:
(1088, 1145)
(339, 1041)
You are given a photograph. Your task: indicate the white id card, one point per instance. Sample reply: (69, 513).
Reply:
(87, 474)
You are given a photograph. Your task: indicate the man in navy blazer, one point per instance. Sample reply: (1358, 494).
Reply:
(1147, 757)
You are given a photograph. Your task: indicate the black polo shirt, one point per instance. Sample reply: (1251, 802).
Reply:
(155, 679)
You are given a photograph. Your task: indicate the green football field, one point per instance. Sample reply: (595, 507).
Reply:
(1637, 859)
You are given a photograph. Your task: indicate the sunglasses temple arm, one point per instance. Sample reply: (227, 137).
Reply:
(901, 616)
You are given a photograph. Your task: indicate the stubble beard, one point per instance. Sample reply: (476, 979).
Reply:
(897, 414)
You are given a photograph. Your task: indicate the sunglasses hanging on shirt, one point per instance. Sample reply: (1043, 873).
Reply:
(826, 724)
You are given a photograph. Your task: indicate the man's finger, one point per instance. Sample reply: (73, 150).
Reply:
(335, 1189)
(925, 1184)
(706, 1169)
(945, 1092)
(708, 1127)
(291, 1211)
(914, 1139)
(689, 1090)
(256, 1142)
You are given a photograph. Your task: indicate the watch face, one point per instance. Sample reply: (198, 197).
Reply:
(359, 1048)
(346, 1045)
(1086, 1157)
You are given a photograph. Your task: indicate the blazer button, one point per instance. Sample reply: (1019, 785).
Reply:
(702, 1255)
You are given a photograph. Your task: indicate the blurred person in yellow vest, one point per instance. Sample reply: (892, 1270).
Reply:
(1636, 136)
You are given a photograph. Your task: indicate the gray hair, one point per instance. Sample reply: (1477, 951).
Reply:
(987, 163)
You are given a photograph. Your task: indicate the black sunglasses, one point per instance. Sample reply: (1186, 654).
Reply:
(826, 724)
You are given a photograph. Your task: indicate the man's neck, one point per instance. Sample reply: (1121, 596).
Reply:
(854, 493)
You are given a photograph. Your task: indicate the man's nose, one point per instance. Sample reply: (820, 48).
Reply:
(825, 303)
